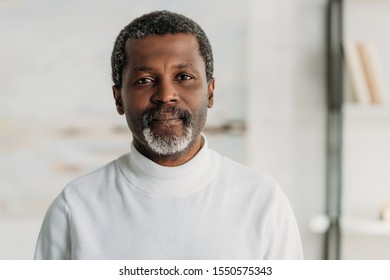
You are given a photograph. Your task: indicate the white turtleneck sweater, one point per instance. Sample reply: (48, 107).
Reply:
(207, 208)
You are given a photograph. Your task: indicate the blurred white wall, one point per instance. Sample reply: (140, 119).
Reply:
(286, 109)
(58, 120)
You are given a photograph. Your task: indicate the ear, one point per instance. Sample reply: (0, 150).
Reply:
(210, 92)
(118, 100)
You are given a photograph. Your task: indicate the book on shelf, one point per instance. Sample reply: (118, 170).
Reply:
(363, 70)
(356, 75)
(372, 71)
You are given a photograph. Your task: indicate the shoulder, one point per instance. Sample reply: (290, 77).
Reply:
(262, 196)
(93, 182)
(247, 179)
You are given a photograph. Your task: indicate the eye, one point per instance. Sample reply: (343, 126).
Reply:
(144, 81)
(183, 77)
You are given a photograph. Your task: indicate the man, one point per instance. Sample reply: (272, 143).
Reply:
(171, 197)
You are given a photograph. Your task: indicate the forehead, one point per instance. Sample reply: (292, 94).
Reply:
(179, 47)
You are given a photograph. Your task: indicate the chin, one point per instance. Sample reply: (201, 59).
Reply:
(168, 145)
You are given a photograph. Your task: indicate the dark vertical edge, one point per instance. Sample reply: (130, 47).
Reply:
(334, 82)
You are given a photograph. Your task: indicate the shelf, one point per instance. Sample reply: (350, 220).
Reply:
(367, 110)
(352, 225)
(367, 1)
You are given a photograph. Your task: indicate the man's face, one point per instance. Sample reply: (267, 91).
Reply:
(164, 94)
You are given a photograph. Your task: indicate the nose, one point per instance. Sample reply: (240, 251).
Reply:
(165, 93)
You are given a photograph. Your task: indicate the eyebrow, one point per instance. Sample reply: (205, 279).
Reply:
(183, 65)
(142, 68)
(176, 66)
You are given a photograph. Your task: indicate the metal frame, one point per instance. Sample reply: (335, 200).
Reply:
(332, 242)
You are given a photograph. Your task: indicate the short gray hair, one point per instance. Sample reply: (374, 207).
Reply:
(158, 23)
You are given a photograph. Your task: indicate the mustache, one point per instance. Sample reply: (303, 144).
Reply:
(153, 113)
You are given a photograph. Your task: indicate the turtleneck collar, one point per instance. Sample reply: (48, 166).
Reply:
(162, 181)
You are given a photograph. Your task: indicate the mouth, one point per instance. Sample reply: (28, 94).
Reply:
(166, 120)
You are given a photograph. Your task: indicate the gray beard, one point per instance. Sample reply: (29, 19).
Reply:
(168, 145)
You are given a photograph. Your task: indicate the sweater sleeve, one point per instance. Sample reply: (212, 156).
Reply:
(284, 238)
(54, 241)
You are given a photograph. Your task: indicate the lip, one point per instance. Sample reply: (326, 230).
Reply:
(166, 118)
(168, 122)
(164, 121)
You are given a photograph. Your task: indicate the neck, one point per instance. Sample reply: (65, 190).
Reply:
(171, 160)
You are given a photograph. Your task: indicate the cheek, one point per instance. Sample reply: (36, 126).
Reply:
(199, 107)
(133, 110)
(195, 96)
(134, 122)
(135, 104)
